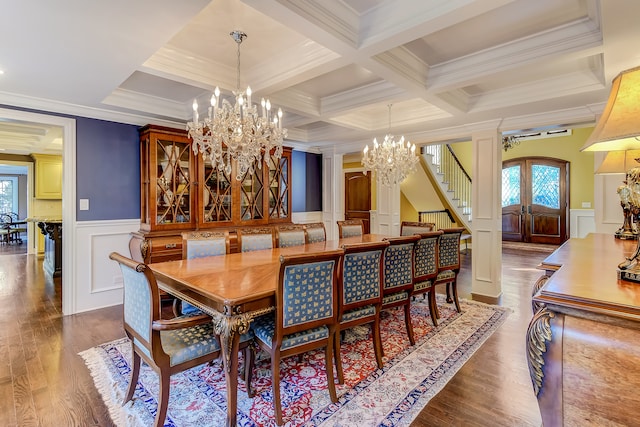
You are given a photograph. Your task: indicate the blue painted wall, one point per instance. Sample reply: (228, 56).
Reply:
(107, 169)
(306, 182)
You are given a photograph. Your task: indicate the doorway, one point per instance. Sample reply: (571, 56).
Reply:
(535, 196)
(357, 197)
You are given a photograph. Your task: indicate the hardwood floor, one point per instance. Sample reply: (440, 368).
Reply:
(43, 381)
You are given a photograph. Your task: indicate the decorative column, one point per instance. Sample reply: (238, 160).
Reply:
(387, 209)
(486, 202)
(333, 192)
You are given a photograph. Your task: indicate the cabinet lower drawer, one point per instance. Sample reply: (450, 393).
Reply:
(165, 248)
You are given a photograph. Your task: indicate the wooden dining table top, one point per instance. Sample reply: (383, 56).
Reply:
(245, 280)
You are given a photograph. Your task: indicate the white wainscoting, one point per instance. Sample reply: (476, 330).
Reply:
(306, 217)
(582, 222)
(98, 279)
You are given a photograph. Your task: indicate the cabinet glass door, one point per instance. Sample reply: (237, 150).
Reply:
(278, 187)
(173, 182)
(252, 196)
(216, 194)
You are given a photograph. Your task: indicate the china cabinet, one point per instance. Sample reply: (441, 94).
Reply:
(181, 191)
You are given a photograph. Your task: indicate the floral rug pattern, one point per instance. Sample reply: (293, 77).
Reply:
(392, 396)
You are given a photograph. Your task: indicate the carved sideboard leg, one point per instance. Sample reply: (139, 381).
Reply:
(544, 356)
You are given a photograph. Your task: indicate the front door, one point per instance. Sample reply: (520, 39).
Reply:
(357, 197)
(535, 196)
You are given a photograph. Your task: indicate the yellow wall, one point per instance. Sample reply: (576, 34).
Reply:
(407, 211)
(565, 148)
(561, 147)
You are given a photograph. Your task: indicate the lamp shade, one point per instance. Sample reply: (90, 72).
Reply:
(619, 124)
(619, 162)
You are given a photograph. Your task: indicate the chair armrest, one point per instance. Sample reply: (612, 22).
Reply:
(180, 322)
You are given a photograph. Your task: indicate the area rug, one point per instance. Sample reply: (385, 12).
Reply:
(392, 396)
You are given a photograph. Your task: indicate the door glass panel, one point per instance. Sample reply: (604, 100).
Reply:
(545, 186)
(511, 186)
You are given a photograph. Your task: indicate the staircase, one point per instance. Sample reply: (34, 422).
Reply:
(453, 181)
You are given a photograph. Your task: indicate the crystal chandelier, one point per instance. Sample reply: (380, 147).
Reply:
(237, 132)
(392, 160)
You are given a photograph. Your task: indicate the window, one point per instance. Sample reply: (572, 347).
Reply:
(8, 194)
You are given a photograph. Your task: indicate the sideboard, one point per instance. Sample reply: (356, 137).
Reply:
(583, 342)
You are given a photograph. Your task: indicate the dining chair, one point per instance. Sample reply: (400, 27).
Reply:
(360, 294)
(305, 317)
(425, 269)
(449, 262)
(168, 346)
(199, 244)
(397, 267)
(255, 238)
(350, 228)
(408, 228)
(290, 235)
(315, 232)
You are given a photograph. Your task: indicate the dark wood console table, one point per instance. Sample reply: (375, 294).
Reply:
(52, 231)
(583, 342)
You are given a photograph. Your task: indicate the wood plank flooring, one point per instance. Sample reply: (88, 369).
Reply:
(43, 381)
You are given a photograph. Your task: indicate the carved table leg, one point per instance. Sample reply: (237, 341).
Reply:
(544, 356)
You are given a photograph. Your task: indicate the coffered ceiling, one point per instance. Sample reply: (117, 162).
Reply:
(334, 66)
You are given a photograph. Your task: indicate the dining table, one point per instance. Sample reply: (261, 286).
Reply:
(235, 289)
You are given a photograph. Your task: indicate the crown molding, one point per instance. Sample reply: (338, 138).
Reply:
(49, 106)
(578, 36)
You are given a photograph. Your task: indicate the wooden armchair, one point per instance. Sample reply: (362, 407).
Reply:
(290, 235)
(305, 317)
(449, 262)
(408, 228)
(255, 238)
(199, 244)
(425, 269)
(350, 228)
(167, 346)
(398, 277)
(315, 232)
(360, 294)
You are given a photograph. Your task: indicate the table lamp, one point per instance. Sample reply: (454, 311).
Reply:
(618, 162)
(618, 130)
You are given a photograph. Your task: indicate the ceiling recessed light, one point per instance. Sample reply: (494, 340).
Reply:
(1, 72)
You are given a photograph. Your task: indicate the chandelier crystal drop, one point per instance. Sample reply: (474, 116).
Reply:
(237, 132)
(392, 161)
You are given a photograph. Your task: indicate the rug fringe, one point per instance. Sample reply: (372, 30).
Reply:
(106, 386)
